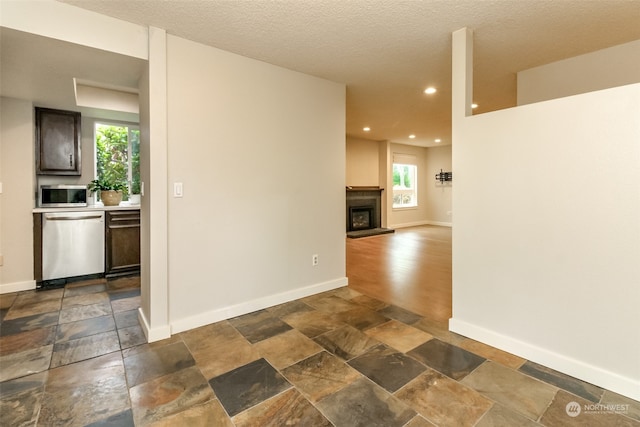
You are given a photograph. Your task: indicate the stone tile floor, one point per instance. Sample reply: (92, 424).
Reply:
(77, 356)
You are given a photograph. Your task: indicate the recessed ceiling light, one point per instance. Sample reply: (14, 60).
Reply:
(474, 105)
(438, 141)
(412, 136)
(430, 90)
(366, 129)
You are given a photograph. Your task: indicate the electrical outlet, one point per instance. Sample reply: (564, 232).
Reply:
(314, 260)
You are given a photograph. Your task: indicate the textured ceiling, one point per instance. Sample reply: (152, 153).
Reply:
(388, 51)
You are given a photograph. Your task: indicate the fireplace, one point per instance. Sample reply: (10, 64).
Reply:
(361, 218)
(364, 212)
(363, 208)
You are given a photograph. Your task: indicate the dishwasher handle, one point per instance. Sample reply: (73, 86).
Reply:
(72, 218)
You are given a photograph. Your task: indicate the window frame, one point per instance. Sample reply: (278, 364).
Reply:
(413, 190)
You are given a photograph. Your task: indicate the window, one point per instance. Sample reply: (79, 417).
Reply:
(405, 182)
(118, 155)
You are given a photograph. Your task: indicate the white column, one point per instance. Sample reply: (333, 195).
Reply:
(461, 99)
(154, 311)
(461, 74)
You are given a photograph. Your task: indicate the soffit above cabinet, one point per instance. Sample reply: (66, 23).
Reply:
(42, 70)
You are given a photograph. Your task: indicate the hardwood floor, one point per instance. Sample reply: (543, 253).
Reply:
(410, 268)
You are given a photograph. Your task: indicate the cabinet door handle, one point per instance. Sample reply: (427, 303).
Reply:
(70, 159)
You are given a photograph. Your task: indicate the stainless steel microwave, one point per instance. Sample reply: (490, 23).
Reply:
(62, 196)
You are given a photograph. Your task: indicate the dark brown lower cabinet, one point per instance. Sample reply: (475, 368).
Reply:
(122, 242)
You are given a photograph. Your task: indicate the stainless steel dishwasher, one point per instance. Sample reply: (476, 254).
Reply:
(72, 244)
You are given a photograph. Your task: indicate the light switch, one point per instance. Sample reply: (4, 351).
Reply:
(177, 189)
(0, 188)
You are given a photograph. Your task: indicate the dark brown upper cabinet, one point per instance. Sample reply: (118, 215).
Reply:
(58, 142)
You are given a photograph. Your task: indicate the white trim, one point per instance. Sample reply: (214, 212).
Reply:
(440, 223)
(405, 208)
(224, 313)
(409, 224)
(419, 223)
(17, 286)
(567, 365)
(156, 334)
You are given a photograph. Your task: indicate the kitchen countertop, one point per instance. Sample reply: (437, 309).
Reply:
(124, 206)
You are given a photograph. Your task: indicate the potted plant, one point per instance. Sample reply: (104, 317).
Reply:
(134, 197)
(110, 191)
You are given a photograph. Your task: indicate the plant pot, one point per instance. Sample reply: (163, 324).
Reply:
(110, 197)
(134, 199)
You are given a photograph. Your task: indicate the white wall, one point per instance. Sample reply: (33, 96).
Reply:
(438, 194)
(362, 163)
(602, 69)
(260, 151)
(17, 165)
(546, 239)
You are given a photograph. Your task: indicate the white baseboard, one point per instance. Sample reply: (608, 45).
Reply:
(17, 286)
(419, 223)
(440, 223)
(224, 313)
(153, 334)
(409, 224)
(567, 365)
